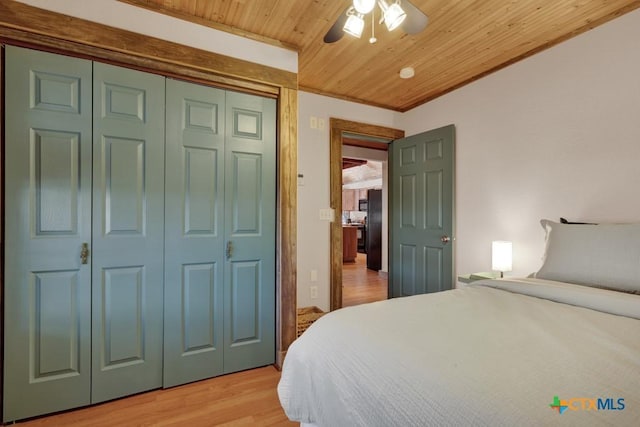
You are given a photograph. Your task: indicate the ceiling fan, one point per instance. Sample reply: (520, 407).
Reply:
(400, 13)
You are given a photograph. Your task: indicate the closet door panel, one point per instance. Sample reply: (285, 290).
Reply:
(194, 233)
(123, 315)
(47, 219)
(250, 196)
(128, 230)
(124, 185)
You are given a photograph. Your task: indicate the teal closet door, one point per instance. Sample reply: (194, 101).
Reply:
(250, 219)
(47, 219)
(128, 230)
(194, 233)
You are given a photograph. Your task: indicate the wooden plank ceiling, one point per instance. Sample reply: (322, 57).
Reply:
(465, 40)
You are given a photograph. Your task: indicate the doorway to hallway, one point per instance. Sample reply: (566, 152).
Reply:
(361, 135)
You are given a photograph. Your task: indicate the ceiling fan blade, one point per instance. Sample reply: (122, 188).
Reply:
(415, 21)
(335, 33)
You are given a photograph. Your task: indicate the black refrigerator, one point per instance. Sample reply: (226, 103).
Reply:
(374, 230)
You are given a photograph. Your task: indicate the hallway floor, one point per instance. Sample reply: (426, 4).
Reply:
(361, 285)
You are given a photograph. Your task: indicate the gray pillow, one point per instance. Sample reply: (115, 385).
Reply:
(602, 255)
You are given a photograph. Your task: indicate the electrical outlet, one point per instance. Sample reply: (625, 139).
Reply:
(313, 292)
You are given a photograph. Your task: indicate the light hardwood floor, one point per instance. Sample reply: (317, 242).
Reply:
(247, 398)
(361, 285)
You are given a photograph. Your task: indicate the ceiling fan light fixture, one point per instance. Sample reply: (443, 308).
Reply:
(364, 6)
(393, 14)
(354, 25)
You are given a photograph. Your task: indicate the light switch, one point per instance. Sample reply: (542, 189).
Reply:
(326, 214)
(320, 123)
(314, 275)
(313, 122)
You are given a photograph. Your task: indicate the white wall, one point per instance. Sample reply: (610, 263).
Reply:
(313, 163)
(557, 134)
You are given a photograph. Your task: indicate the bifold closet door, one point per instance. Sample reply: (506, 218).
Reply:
(47, 323)
(128, 231)
(220, 232)
(250, 231)
(194, 233)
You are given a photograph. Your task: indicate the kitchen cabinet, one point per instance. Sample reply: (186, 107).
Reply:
(349, 200)
(349, 243)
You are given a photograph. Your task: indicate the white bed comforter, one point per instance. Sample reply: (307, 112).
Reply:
(492, 354)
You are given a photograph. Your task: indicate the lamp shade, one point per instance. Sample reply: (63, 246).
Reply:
(393, 14)
(354, 25)
(501, 255)
(364, 6)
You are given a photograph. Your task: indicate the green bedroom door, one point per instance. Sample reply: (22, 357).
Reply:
(422, 198)
(128, 231)
(220, 232)
(47, 317)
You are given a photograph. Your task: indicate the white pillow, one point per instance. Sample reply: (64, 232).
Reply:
(599, 255)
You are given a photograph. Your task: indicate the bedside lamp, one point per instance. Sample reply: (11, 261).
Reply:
(501, 256)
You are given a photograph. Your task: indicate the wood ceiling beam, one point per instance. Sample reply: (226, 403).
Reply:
(352, 163)
(381, 146)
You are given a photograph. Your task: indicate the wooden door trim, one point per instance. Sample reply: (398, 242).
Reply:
(2, 208)
(286, 226)
(337, 128)
(28, 26)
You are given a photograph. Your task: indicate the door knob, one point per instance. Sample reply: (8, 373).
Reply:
(84, 253)
(229, 249)
(445, 239)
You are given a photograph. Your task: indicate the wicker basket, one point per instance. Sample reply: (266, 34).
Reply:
(306, 316)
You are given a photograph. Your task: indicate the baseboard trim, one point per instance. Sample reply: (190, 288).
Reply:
(384, 274)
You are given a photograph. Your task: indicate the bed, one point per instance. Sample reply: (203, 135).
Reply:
(560, 348)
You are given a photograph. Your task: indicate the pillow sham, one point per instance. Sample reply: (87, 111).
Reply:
(602, 255)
